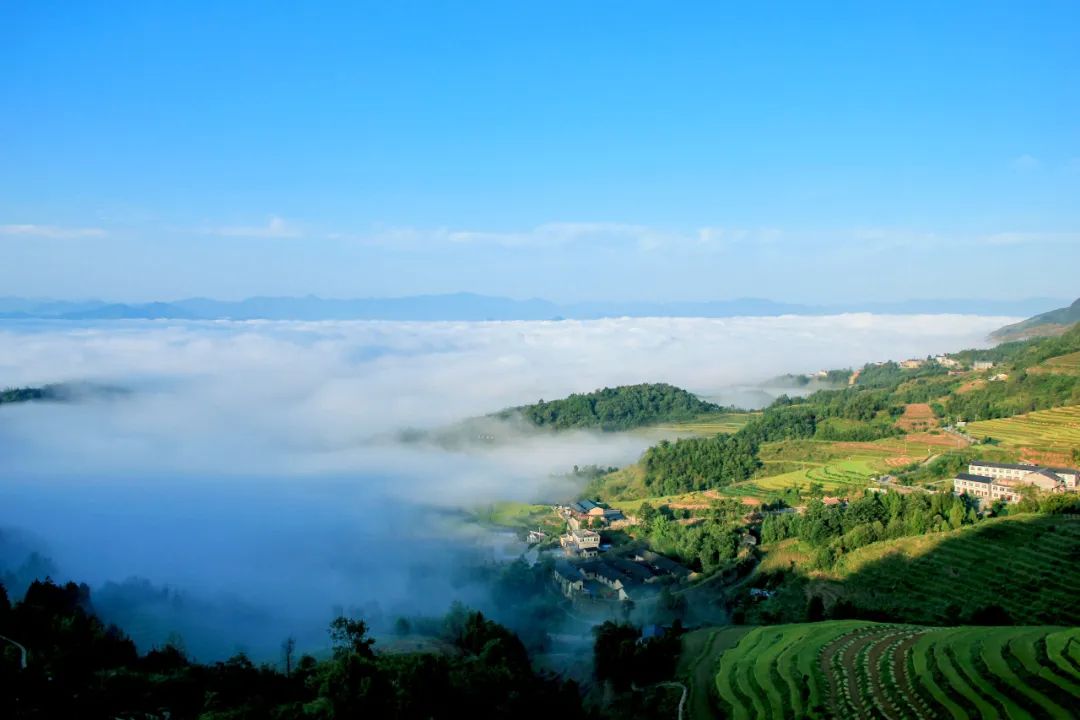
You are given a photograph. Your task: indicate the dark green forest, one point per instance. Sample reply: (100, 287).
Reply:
(703, 463)
(27, 394)
(79, 667)
(618, 408)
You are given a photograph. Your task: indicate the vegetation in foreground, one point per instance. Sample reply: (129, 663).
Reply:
(78, 667)
(1016, 569)
(853, 669)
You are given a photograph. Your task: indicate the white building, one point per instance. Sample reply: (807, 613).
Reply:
(1003, 481)
(582, 542)
(1019, 471)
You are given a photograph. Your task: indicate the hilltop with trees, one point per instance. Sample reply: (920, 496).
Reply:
(619, 408)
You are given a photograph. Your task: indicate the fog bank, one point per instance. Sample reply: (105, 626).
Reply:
(254, 467)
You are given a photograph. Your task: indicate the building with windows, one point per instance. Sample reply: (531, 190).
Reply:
(1018, 471)
(990, 482)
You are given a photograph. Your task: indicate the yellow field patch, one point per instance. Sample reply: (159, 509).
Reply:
(1056, 430)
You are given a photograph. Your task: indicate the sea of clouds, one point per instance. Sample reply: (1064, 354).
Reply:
(257, 465)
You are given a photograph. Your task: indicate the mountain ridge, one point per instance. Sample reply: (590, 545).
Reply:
(465, 306)
(1047, 324)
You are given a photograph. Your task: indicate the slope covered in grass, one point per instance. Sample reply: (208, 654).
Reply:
(1025, 565)
(854, 669)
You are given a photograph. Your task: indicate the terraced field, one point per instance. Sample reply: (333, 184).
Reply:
(1062, 365)
(708, 424)
(1057, 430)
(856, 669)
(841, 476)
(1026, 565)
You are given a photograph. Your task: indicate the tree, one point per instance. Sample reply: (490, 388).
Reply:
(613, 653)
(288, 648)
(350, 636)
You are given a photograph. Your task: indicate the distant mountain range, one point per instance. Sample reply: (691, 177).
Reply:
(1054, 322)
(469, 306)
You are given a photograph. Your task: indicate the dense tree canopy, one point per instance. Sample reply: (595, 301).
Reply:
(80, 668)
(835, 530)
(619, 408)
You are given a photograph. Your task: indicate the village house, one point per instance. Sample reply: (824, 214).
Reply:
(662, 565)
(536, 536)
(587, 512)
(946, 361)
(982, 365)
(569, 579)
(912, 364)
(637, 572)
(581, 542)
(604, 573)
(990, 482)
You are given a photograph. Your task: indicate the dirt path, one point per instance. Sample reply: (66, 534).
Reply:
(682, 699)
(22, 649)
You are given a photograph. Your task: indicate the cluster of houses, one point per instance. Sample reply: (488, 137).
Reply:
(946, 362)
(586, 511)
(621, 578)
(990, 482)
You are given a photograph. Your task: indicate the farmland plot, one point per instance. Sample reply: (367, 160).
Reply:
(855, 669)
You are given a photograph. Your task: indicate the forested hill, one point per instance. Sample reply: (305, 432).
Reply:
(618, 408)
(60, 392)
(29, 394)
(1054, 322)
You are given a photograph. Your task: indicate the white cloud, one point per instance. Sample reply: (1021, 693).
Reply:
(260, 459)
(275, 227)
(52, 231)
(645, 238)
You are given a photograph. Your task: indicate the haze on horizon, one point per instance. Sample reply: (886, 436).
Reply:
(570, 152)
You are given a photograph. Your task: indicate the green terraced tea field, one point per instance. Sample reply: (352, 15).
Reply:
(1056, 430)
(856, 669)
(1062, 364)
(707, 424)
(842, 476)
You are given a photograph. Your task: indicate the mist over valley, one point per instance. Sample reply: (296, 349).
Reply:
(252, 479)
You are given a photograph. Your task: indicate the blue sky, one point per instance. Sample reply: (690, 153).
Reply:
(799, 151)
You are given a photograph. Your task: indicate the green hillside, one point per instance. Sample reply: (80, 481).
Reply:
(1018, 569)
(618, 408)
(1025, 564)
(1054, 322)
(854, 669)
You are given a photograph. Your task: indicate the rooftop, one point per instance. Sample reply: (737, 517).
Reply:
(974, 478)
(1022, 466)
(604, 570)
(567, 571)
